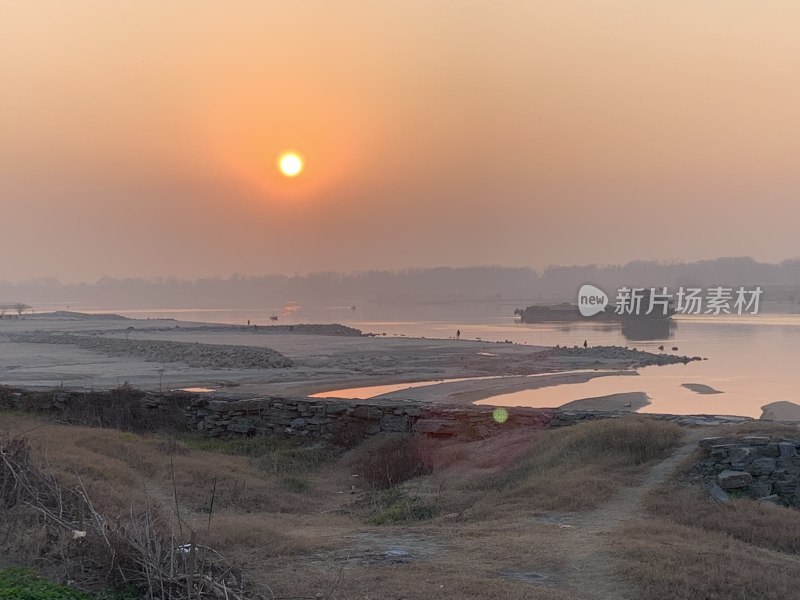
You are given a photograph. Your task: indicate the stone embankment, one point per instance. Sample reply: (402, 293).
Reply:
(319, 417)
(329, 419)
(335, 419)
(213, 356)
(758, 467)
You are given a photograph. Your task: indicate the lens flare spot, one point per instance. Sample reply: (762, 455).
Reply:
(500, 415)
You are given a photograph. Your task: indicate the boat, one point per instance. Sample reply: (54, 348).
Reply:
(566, 312)
(561, 313)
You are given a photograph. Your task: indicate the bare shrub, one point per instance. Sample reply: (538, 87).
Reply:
(389, 459)
(122, 408)
(348, 435)
(138, 550)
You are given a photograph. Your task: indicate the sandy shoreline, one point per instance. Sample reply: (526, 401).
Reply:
(104, 351)
(468, 392)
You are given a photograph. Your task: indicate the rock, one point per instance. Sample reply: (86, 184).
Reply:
(241, 427)
(395, 423)
(732, 480)
(436, 427)
(760, 489)
(365, 411)
(787, 449)
(721, 451)
(763, 466)
(740, 455)
(718, 494)
(755, 440)
(772, 499)
(709, 442)
(771, 450)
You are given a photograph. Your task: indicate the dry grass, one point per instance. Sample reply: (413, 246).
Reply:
(418, 581)
(693, 547)
(121, 471)
(668, 561)
(579, 468)
(138, 552)
(563, 470)
(758, 523)
(285, 512)
(758, 428)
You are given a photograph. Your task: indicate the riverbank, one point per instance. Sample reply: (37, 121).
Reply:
(96, 352)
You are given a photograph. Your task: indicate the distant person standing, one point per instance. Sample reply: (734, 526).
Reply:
(458, 333)
(585, 343)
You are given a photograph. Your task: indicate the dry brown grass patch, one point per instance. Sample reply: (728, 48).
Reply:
(758, 428)
(578, 468)
(121, 469)
(668, 561)
(758, 523)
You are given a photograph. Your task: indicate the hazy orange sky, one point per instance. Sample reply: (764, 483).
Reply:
(141, 138)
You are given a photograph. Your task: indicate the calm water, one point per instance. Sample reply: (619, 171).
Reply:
(752, 359)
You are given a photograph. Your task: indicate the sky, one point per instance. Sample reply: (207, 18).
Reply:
(142, 138)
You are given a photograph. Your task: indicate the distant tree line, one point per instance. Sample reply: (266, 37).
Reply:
(479, 283)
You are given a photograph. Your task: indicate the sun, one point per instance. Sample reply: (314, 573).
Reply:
(290, 164)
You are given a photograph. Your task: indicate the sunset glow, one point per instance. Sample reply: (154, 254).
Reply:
(392, 119)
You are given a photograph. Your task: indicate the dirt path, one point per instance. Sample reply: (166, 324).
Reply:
(592, 569)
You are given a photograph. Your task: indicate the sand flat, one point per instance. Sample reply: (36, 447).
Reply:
(43, 351)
